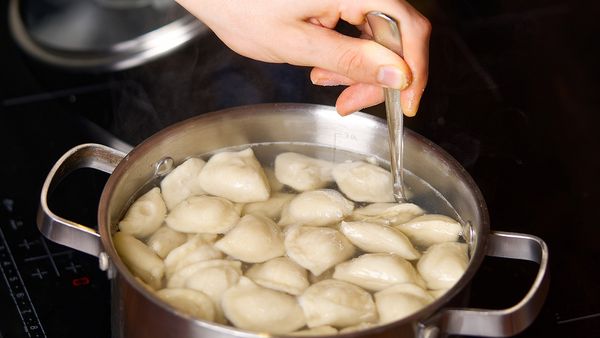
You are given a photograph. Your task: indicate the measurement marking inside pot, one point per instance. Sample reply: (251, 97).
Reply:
(45, 245)
(576, 319)
(31, 324)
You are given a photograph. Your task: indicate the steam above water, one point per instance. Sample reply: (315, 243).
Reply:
(205, 76)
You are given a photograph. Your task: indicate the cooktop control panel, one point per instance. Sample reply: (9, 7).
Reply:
(48, 290)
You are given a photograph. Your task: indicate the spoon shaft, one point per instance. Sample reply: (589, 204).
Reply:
(387, 33)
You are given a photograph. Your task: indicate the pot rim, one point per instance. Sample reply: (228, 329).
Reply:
(477, 251)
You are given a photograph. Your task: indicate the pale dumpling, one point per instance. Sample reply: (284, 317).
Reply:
(182, 182)
(316, 208)
(443, 264)
(371, 237)
(254, 239)
(317, 248)
(236, 176)
(273, 181)
(302, 172)
(203, 214)
(400, 301)
(164, 240)
(358, 327)
(145, 215)
(252, 307)
(270, 208)
(281, 274)
(316, 331)
(364, 182)
(387, 213)
(430, 229)
(376, 272)
(192, 302)
(211, 277)
(195, 249)
(437, 293)
(338, 304)
(140, 259)
(327, 274)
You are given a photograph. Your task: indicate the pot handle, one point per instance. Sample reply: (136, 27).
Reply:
(505, 322)
(63, 231)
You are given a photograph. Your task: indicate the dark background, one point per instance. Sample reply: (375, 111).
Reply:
(513, 95)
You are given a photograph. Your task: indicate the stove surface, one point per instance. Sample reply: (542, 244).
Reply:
(512, 96)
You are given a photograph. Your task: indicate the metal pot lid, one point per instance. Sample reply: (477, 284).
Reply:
(100, 35)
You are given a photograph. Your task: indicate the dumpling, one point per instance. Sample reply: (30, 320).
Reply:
(182, 182)
(387, 213)
(218, 276)
(281, 274)
(358, 327)
(203, 214)
(437, 293)
(364, 182)
(164, 240)
(302, 172)
(431, 229)
(376, 272)
(192, 302)
(254, 239)
(236, 176)
(252, 307)
(327, 274)
(337, 303)
(140, 259)
(443, 264)
(316, 208)
(316, 331)
(208, 238)
(317, 248)
(145, 215)
(212, 277)
(273, 181)
(270, 208)
(196, 249)
(379, 238)
(400, 301)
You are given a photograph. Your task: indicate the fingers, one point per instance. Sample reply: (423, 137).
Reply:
(416, 35)
(415, 30)
(357, 97)
(361, 60)
(323, 77)
(354, 98)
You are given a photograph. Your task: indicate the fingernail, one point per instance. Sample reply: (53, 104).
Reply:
(392, 77)
(323, 81)
(411, 106)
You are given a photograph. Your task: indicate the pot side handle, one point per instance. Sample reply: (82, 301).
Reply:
(63, 231)
(505, 322)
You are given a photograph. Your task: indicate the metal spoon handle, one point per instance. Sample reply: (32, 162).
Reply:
(386, 32)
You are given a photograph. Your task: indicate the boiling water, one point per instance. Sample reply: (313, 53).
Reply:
(418, 190)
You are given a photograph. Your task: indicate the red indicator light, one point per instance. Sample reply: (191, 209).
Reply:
(81, 281)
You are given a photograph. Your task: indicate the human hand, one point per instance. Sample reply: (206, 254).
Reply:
(302, 33)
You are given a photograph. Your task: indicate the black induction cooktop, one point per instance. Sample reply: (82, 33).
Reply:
(513, 96)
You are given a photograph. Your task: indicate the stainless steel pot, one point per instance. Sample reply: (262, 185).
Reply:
(137, 313)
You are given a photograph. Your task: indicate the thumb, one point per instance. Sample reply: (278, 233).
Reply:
(361, 60)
